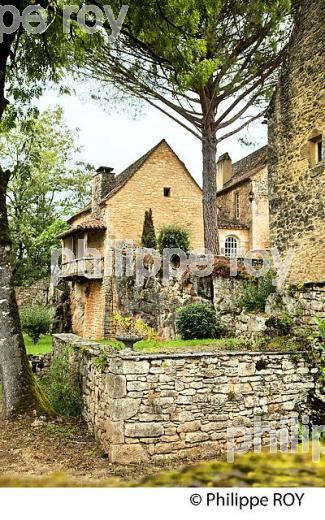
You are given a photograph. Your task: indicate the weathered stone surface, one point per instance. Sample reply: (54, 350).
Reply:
(196, 437)
(296, 177)
(137, 386)
(192, 426)
(115, 386)
(122, 409)
(246, 369)
(144, 430)
(135, 367)
(115, 432)
(127, 454)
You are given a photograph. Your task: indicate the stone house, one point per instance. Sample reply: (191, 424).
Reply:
(296, 122)
(242, 196)
(158, 180)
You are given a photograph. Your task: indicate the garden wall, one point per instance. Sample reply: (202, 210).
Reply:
(178, 405)
(38, 293)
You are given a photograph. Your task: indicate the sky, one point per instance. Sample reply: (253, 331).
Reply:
(116, 139)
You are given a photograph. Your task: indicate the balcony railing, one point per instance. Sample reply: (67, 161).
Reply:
(91, 268)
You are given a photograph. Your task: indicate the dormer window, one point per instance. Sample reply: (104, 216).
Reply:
(167, 192)
(316, 150)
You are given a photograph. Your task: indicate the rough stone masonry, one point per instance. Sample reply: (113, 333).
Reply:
(178, 405)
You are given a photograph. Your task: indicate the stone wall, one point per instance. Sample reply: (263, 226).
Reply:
(178, 405)
(296, 178)
(38, 293)
(236, 321)
(94, 303)
(304, 304)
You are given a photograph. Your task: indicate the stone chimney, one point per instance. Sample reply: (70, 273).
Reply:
(103, 182)
(224, 170)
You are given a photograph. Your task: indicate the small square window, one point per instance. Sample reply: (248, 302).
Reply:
(167, 192)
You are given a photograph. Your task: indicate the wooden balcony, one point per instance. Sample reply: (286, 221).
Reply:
(89, 268)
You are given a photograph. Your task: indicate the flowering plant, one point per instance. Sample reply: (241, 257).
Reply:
(134, 326)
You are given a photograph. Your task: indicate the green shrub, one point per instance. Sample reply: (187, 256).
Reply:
(256, 292)
(61, 385)
(148, 238)
(321, 328)
(279, 325)
(171, 237)
(198, 321)
(36, 320)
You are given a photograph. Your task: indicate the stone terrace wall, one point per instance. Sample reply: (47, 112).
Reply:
(304, 305)
(144, 407)
(38, 293)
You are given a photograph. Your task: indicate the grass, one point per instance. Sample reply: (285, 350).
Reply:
(44, 346)
(279, 344)
(283, 344)
(154, 345)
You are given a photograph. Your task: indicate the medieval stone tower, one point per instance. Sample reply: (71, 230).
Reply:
(296, 149)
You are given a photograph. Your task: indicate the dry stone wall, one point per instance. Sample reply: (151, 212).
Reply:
(38, 293)
(178, 405)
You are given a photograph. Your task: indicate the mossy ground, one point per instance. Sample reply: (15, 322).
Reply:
(250, 470)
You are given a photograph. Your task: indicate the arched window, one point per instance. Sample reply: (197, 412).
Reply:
(231, 247)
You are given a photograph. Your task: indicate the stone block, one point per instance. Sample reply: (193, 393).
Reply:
(135, 367)
(127, 454)
(122, 409)
(246, 369)
(196, 437)
(137, 386)
(114, 432)
(191, 426)
(115, 386)
(144, 430)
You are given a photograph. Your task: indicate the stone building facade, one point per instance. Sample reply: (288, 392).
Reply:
(296, 144)
(158, 180)
(242, 195)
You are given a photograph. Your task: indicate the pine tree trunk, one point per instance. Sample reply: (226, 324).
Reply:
(21, 393)
(209, 152)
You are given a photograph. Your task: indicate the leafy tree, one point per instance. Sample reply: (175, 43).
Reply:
(46, 185)
(209, 65)
(27, 63)
(148, 234)
(36, 320)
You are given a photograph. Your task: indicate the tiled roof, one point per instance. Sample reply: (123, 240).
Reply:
(231, 224)
(245, 168)
(88, 225)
